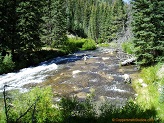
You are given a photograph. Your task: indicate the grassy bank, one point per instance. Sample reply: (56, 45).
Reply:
(150, 89)
(149, 85)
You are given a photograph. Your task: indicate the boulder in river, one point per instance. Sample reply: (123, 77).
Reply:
(126, 78)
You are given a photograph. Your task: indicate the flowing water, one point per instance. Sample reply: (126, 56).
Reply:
(100, 74)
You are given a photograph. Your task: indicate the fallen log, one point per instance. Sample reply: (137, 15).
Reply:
(128, 61)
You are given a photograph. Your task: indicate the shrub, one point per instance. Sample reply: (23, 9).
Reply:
(6, 64)
(128, 47)
(89, 45)
(104, 45)
(149, 74)
(75, 44)
(35, 105)
(72, 45)
(69, 109)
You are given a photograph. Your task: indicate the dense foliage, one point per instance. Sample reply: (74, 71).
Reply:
(27, 26)
(6, 64)
(148, 30)
(100, 20)
(75, 44)
(37, 106)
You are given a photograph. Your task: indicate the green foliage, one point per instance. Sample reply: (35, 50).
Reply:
(161, 97)
(42, 109)
(76, 111)
(128, 47)
(89, 45)
(130, 111)
(75, 44)
(40, 101)
(104, 45)
(6, 64)
(147, 26)
(149, 74)
(96, 19)
(152, 94)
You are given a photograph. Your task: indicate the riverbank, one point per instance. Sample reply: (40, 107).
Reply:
(24, 59)
(149, 87)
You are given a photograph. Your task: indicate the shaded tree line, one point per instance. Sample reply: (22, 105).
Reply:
(101, 20)
(26, 26)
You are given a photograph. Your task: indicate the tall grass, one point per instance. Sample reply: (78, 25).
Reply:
(152, 95)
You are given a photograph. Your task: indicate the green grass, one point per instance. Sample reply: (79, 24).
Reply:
(149, 96)
(103, 45)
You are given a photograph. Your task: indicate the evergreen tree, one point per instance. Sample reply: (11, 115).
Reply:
(8, 33)
(60, 22)
(30, 18)
(48, 26)
(148, 30)
(118, 19)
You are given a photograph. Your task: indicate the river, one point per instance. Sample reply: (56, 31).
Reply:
(100, 74)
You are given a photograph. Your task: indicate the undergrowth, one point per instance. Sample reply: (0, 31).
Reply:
(37, 106)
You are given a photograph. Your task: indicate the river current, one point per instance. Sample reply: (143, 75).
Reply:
(101, 74)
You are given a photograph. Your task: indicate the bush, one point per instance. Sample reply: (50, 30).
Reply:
(128, 47)
(6, 64)
(35, 105)
(104, 45)
(75, 44)
(149, 74)
(89, 45)
(42, 110)
(129, 111)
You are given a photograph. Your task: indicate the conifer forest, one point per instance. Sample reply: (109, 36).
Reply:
(111, 47)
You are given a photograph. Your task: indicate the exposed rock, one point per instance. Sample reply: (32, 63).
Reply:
(81, 95)
(126, 78)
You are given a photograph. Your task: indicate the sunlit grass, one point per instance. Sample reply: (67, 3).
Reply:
(103, 45)
(148, 97)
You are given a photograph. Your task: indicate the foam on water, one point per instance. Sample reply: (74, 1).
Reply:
(26, 76)
(113, 88)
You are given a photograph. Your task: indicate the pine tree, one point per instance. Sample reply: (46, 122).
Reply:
(147, 28)
(8, 33)
(48, 26)
(60, 22)
(30, 19)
